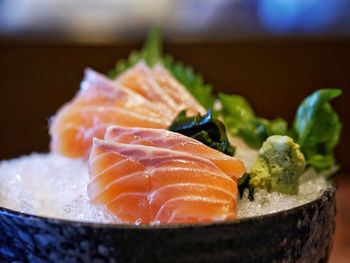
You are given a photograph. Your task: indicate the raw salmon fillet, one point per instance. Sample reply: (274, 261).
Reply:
(99, 104)
(159, 85)
(140, 79)
(177, 91)
(151, 185)
(175, 141)
(140, 97)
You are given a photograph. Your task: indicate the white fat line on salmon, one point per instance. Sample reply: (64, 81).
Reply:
(155, 106)
(91, 131)
(113, 166)
(190, 169)
(149, 173)
(136, 98)
(152, 85)
(164, 139)
(177, 89)
(167, 155)
(128, 194)
(197, 186)
(98, 192)
(227, 213)
(98, 157)
(89, 111)
(189, 198)
(71, 126)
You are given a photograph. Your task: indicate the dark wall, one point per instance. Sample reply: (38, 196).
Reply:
(274, 75)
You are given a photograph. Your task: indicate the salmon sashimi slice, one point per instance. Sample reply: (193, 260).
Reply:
(99, 104)
(76, 127)
(179, 210)
(127, 202)
(96, 89)
(177, 91)
(150, 185)
(175, 141)
(140, 79)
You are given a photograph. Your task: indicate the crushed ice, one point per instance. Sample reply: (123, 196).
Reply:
(49, 185)
(54, 186)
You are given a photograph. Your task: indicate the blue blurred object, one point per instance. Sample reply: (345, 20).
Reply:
(283, 16)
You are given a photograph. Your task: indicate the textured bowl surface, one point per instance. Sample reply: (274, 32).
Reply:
(301, 234)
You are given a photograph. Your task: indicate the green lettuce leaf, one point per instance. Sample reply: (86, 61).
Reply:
(241, 121)
(317, 128)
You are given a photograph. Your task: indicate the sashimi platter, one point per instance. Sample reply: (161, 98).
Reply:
(148, 164)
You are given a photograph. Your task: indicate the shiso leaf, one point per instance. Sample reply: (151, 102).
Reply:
(206, 129)
(152, 49)
(193, 81)
(151, 53)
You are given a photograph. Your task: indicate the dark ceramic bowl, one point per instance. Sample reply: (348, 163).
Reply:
(301, 234)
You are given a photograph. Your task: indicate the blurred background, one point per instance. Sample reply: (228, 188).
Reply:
(274, 52)
(113, 20)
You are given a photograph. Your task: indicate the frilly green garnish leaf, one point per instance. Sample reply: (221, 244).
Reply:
(193, 81)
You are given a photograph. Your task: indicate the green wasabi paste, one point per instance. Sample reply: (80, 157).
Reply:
(278, 166)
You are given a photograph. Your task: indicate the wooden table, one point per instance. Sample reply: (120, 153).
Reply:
(341, 246)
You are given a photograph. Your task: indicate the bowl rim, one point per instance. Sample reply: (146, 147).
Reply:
(328, 193)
